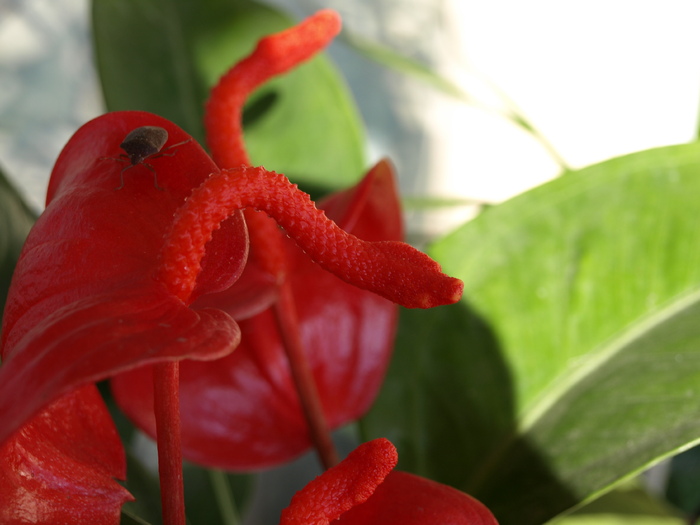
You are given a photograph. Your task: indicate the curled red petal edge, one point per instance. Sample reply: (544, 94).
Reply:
(407, 499)
(364, 489)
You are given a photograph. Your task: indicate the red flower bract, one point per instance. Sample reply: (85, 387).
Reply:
(60, 468)
(363, 490)
(242, 412)
(412, 500)
(84, 305)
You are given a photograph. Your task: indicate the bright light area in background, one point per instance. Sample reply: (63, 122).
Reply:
(598, 79)
(48, 87)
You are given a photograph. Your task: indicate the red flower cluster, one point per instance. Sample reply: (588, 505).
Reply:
(124, 276)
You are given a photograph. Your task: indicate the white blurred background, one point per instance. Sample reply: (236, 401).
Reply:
(596, 78)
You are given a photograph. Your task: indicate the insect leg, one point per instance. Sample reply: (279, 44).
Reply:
(155, 175)
(164, 154)
(121, 176)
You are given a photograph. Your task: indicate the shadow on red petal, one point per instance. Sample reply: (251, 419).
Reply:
(407, 499)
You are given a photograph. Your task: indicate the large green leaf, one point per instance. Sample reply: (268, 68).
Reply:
(626, 506)
(574, 359)
(164, 55)
(15, 221)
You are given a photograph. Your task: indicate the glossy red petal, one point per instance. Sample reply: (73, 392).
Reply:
(339, 489)
(242, 412)
(371, 210)
(100, 336)
(60, 468)
(406, 499)
(84, 303)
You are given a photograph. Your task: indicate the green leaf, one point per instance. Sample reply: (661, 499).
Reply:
(15, 221)
(144, 486)
(625, 506)
(164, 55)
(617, 519)
(574, 359)
(433, 203)
(403, 64)
(127, 518)
(683, 488)
(203, 498)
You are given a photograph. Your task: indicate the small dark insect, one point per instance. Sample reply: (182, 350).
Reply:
(144, 143)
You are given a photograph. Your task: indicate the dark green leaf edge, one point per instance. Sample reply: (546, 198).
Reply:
(16, 219)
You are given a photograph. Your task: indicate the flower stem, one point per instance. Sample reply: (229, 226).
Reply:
(288, 324)
(224, 498)
(166, 398)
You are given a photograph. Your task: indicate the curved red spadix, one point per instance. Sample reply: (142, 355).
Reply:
(350, 483)
(242, 412)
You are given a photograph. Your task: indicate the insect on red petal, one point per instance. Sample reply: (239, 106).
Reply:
(142, 143)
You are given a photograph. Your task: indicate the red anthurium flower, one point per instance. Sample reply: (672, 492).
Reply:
(106, 278)
(243, 412)
(363, 490)
(108, 281)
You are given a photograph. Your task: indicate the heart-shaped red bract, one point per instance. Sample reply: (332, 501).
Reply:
(84, 305)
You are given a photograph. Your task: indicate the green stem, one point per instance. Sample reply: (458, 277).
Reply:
(515, 115)
(224, 497)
